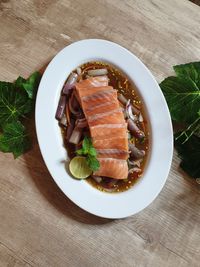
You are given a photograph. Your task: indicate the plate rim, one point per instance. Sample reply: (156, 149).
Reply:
(44, 79)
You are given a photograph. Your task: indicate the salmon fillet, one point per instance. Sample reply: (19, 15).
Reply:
(105, 131)
(111, 117)
(93, 90)
(102, 107)
(112, 153)
(98, 98)
(114, 168)
(107, 125)
(92, 82)
(117, 143)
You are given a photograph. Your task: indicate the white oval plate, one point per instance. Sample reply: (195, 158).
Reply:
(117, 205)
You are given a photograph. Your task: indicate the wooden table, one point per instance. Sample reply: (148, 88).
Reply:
(39, 226)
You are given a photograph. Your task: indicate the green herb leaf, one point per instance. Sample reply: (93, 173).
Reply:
(87, 147)
(189, 152)
(90, 152)
(14, 139)
(93, 163)
(87, 143)
(79, 151)
(14, 103)
(30, 85)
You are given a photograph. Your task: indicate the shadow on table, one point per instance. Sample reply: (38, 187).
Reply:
(48, 188)
(191, 184)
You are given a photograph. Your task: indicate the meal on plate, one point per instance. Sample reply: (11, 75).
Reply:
(104, 127)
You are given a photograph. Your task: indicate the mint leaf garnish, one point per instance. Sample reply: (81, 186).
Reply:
(90, 152)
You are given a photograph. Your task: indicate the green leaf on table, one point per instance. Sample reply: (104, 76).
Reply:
(193, 128)
(30, 85)
(14, 103)
(183, 98)
(189, 152)
(19, 82)
(189, 70)
(14, 139)
(182, 94)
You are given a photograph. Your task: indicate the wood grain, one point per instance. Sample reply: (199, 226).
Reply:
(39, 226)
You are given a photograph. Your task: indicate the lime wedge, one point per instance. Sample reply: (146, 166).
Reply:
(79, 168)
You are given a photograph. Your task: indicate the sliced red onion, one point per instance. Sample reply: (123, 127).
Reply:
(129, 111)
(70, 129)
(133, 128)
(134, 169)
(122, 99)
(75, 136)
(128, 103)
(135, 110)
(140, 118)
(79, 71)
(80, 115)
(74, 105)
(131, 162)
(97, 179)
(63, 120)
(136, 153)
(61, 107)
(70, 83)
(97, 72)
(135, 163)
(81, 123)
(138, 162)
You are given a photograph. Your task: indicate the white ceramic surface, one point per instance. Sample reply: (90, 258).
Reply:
(102, 204)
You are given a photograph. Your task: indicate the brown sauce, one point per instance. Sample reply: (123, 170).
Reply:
(124, 86)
